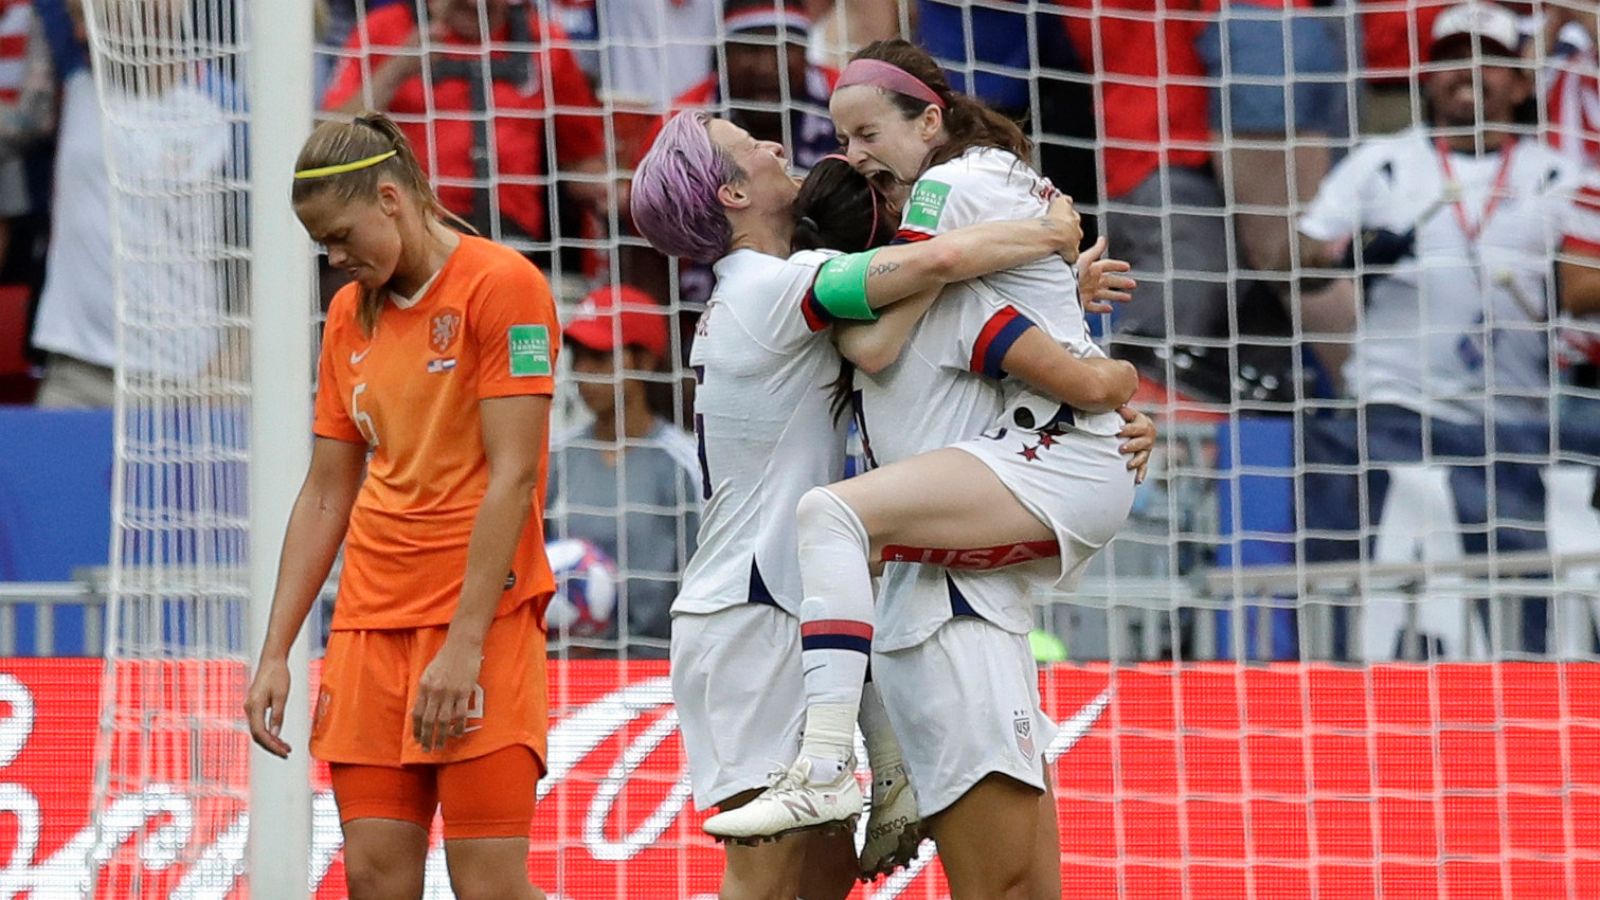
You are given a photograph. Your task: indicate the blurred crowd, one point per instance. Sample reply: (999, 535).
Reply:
(1384, 210)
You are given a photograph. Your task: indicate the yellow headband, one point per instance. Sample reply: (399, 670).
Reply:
(341, 168)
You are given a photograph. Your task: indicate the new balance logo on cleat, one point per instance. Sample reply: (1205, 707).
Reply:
(791, 804)
(894, 832)
(801, 808)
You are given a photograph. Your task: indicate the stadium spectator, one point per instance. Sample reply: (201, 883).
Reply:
(1571, 81)
(1273, 146)
(1447, 231)
(628, 482)
(650, 50)
(1014, 60)
(765, 75)
(1165, 212)
(77, 322)
(1390, 37)
(1452, 227)
(27, 107)
(841, 28)
(448, 110)
(771, 92)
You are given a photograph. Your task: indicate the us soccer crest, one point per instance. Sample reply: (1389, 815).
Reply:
(446, 326)
(1022, 725)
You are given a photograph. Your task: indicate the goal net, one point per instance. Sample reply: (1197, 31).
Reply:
(1345, 645)
(170, 759)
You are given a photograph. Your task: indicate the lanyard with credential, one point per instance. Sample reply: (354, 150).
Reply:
(1452, 188)
(1472, 231)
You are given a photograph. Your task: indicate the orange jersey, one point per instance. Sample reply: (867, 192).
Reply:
(485, 328)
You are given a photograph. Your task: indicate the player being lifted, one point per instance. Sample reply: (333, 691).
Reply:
(428, 464)
(1047, 474)
(955, 633)
(709, 192)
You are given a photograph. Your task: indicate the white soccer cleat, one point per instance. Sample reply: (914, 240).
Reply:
(793, 803)
(894, 832)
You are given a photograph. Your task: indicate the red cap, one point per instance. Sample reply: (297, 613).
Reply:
(643, 321)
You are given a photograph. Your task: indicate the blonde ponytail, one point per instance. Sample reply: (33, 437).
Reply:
(357, 156)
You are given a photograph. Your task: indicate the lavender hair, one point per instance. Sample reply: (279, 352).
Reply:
(675, 203)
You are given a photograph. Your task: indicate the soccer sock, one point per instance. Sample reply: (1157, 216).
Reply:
(835, 626)
(883, 749)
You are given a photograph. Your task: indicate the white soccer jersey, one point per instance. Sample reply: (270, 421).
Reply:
(766, 435)
(1467, 317)
(989, 185)
(936, 394)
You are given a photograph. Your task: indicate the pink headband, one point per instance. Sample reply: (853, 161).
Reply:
(870, 187)
(890, 77)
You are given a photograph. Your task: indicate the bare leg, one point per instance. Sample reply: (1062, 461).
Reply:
(810, 865)
(830, 866)
(1046, 881)
(896, 506)
(486, 868)
(384, 859)
(987, 840)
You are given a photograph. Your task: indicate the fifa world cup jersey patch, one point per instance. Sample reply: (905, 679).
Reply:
(529, 350)
(926, 205)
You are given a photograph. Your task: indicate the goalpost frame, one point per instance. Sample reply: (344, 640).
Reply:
(280, 97)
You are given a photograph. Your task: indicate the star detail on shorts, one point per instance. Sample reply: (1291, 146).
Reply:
(1046, 441)
(1029, 453)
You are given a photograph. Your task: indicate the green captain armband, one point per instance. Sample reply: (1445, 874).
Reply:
(841, 286)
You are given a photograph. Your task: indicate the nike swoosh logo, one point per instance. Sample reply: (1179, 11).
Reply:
(356, 358)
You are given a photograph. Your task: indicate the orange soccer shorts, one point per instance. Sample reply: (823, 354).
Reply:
(412, 793)
(363, 716)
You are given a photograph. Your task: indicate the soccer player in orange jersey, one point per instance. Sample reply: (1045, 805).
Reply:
(429, 465)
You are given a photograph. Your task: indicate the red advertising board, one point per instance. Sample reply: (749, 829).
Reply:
(1210, 781)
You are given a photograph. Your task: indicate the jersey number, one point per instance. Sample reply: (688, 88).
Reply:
(363, 421)
(700, 439)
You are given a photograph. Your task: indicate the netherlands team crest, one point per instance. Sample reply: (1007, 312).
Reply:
(442, 334)
(1022, 725)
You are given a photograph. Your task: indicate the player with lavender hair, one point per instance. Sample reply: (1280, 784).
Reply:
(710, 192)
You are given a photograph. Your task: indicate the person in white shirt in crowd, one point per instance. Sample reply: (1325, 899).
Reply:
(175, 204)
(1448, 229)
(27, 107)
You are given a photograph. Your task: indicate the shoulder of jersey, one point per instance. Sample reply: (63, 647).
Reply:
(813, 257)
(1551, 167)
(1410, 140)
(980, 165)
(501, 258)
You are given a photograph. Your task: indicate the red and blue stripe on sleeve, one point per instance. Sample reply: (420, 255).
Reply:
(817, 318)
(836, 634)
(995, 340)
